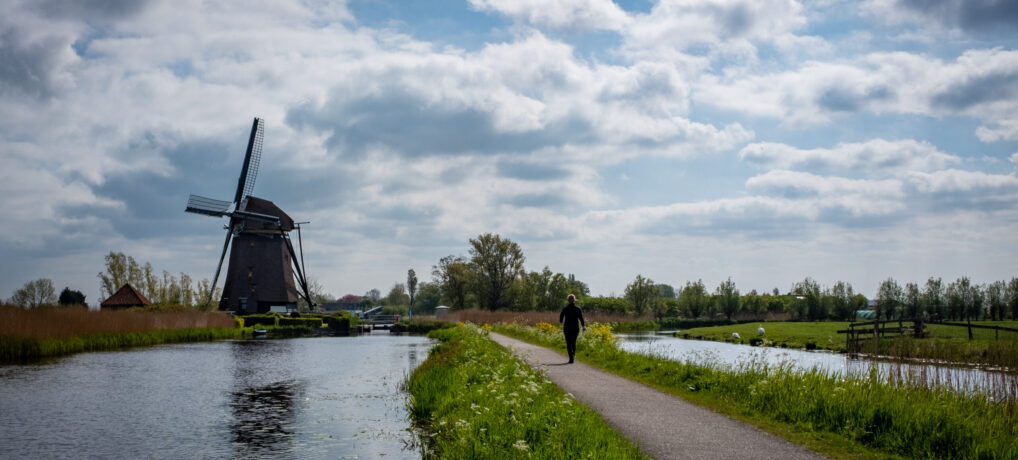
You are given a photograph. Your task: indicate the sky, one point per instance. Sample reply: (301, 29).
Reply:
(762, 140)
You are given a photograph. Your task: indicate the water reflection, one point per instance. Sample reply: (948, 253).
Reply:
(265, 418)
(996, 383)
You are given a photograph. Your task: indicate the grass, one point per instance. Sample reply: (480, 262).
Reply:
(841, 418)
(473, 399)
(945, 343)
(32, 334)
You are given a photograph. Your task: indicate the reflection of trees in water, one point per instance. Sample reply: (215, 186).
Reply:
(264, 418)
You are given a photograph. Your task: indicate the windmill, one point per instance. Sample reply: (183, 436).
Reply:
(263, 262)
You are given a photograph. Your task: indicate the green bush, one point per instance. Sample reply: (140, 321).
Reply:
(338, 323)
(309, 322)
(260, 320)
(605, 305)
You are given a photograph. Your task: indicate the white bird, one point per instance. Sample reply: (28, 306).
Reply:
(735, 335)
(759, 330)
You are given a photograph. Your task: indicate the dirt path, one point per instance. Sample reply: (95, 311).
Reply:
(664, 426)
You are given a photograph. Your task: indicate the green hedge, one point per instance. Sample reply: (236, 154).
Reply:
(260, 320)
(310, 322)
(338, 323)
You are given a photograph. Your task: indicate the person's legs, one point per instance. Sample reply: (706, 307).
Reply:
(571, 343)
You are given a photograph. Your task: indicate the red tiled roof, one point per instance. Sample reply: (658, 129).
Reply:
(127, 296)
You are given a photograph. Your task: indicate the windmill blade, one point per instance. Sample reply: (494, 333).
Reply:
(226, 244)
(253, 157)
(208, 206)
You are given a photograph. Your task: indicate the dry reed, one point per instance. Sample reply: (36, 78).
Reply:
(59, 323)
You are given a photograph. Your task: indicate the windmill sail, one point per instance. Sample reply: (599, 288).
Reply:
(208, 206)
(252, 159)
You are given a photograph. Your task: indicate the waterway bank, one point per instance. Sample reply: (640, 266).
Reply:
(474, 399)
(840, 417)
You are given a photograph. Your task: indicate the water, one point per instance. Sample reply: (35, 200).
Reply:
(329, 397)
(996, 383)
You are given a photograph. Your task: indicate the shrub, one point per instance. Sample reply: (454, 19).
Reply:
(338, 323)
(309, 322)
(260, 320)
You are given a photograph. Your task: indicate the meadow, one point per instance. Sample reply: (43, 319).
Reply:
(474, 399)
(837, 417)
(943, 343)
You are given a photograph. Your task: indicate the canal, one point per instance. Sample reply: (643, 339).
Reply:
(328, 397)
(997, 383)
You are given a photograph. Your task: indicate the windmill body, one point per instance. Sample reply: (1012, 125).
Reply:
(263, 264)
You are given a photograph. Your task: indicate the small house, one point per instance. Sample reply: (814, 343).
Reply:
(124, 298)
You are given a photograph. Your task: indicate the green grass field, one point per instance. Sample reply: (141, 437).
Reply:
(948, 343)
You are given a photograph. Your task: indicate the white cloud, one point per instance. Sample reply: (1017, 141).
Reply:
(567, 14)
(876, 156)
(956, 180)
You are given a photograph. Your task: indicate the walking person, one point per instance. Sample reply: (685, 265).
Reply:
(571, 319)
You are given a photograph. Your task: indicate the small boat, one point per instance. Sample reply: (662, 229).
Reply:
(260, 333)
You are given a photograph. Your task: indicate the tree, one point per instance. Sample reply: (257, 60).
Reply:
(35, 294)
(69, 297)
(807, 293)
(642, 293)
(497, 263)
(996, 299)
(374, 295)
(318, 296)
(933, 297)
(889, 297)
(397, 296)
(841, 295)
(1012, 297)
(728, 298)
(428, 297)
(452, 275)
(693, 299)
(913, 300)
(665, 291)
(753, 303)
(411, 286)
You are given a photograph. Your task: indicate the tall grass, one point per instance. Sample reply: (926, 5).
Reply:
(890, 418)
(36, 333)
(473, 399)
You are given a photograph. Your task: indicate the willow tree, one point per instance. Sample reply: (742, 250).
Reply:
(497, 263)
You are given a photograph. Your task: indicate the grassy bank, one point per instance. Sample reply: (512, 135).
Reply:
(841, 418)
(473, 399)
(945, 343)
(26, 349)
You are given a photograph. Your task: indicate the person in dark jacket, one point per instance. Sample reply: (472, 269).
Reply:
(572, 320)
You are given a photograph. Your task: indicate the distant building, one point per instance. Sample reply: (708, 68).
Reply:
(124, 298)
(329, 306)
(350, 302)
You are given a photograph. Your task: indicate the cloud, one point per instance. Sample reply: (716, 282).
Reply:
(979, 83)
(971, 15)
(876, 156)
(562, 14)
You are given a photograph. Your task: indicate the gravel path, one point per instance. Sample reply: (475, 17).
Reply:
(664, 426)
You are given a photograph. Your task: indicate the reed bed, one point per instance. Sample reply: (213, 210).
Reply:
(474, 399)
(842, 414)
(56, 323)
(32, 334)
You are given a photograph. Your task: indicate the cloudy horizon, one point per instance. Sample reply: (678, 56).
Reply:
(766, 141)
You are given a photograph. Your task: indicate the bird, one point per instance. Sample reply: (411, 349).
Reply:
(759, 330)
(735, 335)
